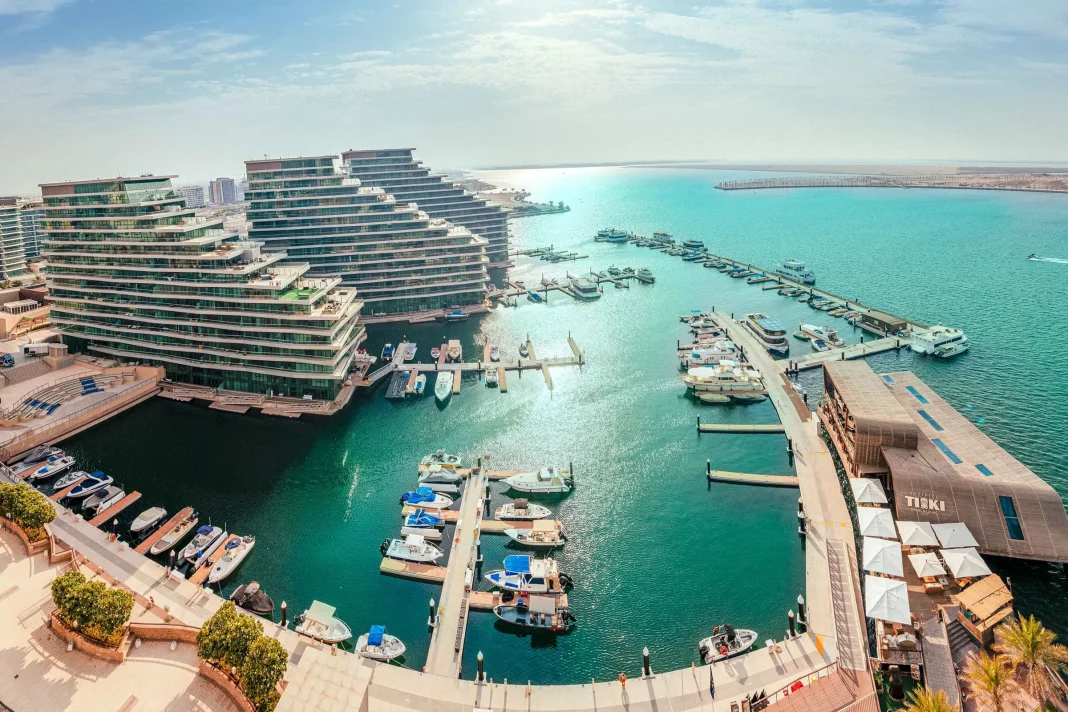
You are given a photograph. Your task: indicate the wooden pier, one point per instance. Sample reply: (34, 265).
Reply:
(739, 427)
(155, 536)
(115, 509)
(428, 573)
(746, 478)
(850, 352)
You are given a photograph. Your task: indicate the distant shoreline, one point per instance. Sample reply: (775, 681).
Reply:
(831, 168)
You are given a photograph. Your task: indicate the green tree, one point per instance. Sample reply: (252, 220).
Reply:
(112, 611)
(261, 672)
(30, 509)
(63, 590)
(91, 607)
(1030, 644)
(922, 699)
(226, 637)
(990, 679)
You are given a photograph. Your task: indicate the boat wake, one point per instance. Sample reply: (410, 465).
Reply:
(1057, 260)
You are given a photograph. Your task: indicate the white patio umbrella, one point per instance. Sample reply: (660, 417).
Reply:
(867, 490)
(876, 521)
(955, 535)
(965, 563)
(883, 556)
(917, 534)
(926, 565)
(887, 600)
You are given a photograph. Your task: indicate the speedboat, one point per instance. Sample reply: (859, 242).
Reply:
(409, 352)
(456, 315)
(435, 352)
(495, 353)
(771, 333)
(71, 477)
(420, 384)
(454, 351)
(387, 352)
(614, 271)
(827, 334)
(438, 475)
(521, 510)
(320, 623)
(236, 551)
(52, 467)
(819, 344)
(90, 485)
(796, 270)
(523, 350)
(530, 575)
(547, 480)
(253, 599)
(146, 520)
(1032, 256)
(725, 642)
(542, 534)
(535, 612)
(441, 459)
(379, 645)
(39, 454)
(103, 499)
(421, 519)
(443, 385)
(702, 322)
(426, 498)
(413, 547)
(492, 378)
(207, 540)
(534, 296)
(175, 534)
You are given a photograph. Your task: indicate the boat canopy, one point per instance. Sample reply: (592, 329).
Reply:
(374, 637)
(205, 529)
(544, 525)
(415, 540)
(517, 564)
(542, 604)
(321, 613)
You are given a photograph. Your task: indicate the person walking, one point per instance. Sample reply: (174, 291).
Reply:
(623, 680)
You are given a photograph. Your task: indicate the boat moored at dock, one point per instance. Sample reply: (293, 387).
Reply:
(147, 520)
(584, 289)
(441, 459)
(529, 575)
(725, 377)
(175, 534)
(443, 385)
(376, 644)
(521, 510)
(414, 548)
(253, 599)
(547, 480)
(426, 498)
(320, 623)
(938, 341)
(796, 270)
(206, 541)
(236, 551)
(52, 466)
(422, 519)
(456, 315)
(771, 333)
(542, 534)
(90, 485)
(103, 499)
(454, 351)
(725, 642)
(535, 612)
(827, 334)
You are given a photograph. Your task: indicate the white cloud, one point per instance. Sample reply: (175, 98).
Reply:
(29, 7)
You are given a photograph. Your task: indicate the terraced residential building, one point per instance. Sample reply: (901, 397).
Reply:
(399, 174)
(138, 276)
(31, 212)
(12, 255)
(399, 259)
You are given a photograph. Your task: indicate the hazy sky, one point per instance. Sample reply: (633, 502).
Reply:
(103, 87)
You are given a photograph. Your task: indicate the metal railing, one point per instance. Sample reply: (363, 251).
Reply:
(22, 401)
(804, 681)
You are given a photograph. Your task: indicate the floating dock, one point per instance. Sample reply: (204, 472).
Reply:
(115, 509)
(850, 352)
(746, 478)
(429, 573)
(739, 428)
(155, 536)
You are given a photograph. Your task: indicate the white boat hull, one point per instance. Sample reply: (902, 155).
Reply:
(425, 554)
(535, 540)
(715, 647)
(391, 648)
(443, 386)
(508, 512)
(230, 561)
(336, 633)
(175, 535)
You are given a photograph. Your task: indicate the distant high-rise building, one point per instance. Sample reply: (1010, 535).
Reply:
(12, 254)
(222, 191)
(31, 212)
(399, 259)
(398, 173)
(137, 275)
(193, 194)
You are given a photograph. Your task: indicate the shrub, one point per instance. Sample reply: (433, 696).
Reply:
(28, 508)
(262, 670)
(227, 636)
(94, 609)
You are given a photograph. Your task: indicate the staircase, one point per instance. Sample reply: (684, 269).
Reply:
(19, 374)
(960, 642)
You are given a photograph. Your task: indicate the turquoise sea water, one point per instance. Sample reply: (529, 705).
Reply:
(658, 557)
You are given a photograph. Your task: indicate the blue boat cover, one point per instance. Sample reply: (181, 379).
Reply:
(374, 637)
(421, 494)
(420, 518)
(517, 564)
(204, 529)
(233, 543)
(97, 473)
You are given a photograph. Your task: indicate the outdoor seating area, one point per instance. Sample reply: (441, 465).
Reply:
(47, 401)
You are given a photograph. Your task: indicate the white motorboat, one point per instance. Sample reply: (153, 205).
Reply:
(146, 520)
(206, 541)
(52, 466)
(523, 350)
(39, 454)
(644, 273)
(748, 397)
(542, 534)
(236, 551)
(71, 477)
(709, 353)
(420, 384)
(547, 480)
(701, 321)
(409, 352)
(413, 547)
(495, 353)
(726, 377)
(441, 459)
(529, 575)
(536, 613)
(938, 341)
(819, 345)
(439, 475)
(584, 289)
(521, 510)
(379, 645)
(175, 534)
(454, 351)
(426, 498)
(90, 485)
(443, 386)
(713, 398)
(492, 379)
(827, 334)
(428, 534)
(796, 270)
(725, 642)
(103, 499)
(771, 333)
(320, 623)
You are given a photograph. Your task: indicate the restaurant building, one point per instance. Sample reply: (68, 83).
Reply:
(937, 464)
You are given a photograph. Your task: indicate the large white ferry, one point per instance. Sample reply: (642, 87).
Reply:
(939, 341)
(796, 270)
(771, 333)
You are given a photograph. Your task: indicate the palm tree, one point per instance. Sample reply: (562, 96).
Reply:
(990, 679)
(922, 699)
(1028, 643)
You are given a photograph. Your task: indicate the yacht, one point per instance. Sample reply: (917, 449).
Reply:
(819, 344)
(90, 485)
(529, 575)
(939, 341)
(521, 510)
(413, 547)
(440, 479)
(175, 534)
(443, 386)
(663, 237)
(441, 459)
(207, 540)
(810, 331)
(727, 377)
(320, 623)
(455, 351)
(146, 520)
(376, 644)
(796, 270)
(547, 480)
(53, 466)
(542, 534)
(644, 273)
(584, 289)
(426, 498)
(611, 235)
(769, 332)
(535, 613)
(236, 551)
(103, 499)
(725, 642)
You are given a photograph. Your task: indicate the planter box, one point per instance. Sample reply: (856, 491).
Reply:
(115, 654)
(224, 682)
(32, 548)
(165, 631)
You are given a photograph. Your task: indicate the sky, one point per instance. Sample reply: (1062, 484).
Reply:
(92, 88)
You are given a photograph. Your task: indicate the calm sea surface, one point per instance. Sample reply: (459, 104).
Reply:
(658, 558)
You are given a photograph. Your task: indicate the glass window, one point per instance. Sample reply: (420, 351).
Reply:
(934, 423)
(985, 470)
(916, 393)
(947, 452)
(1012, 521)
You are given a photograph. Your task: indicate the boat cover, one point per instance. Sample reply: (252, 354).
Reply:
(374, 637)
(420, 518)
(517, 564)
(97, 474)
(205, 529)
(542, 604)
(421, 494)
(233, 543)
(321, 613)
